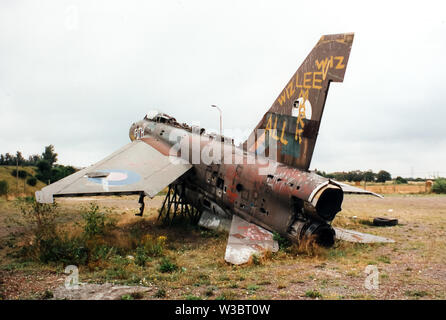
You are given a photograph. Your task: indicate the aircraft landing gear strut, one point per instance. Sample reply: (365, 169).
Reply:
(141, 203)
(176, 204)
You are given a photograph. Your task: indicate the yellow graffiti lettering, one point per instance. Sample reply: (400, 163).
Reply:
(282, 98)
(273, 131)
(269, 123)
(307, 79)
(297, 82)
(299, 134)
(290, 89)
(282, 140)
(340, 65)
(304, 94)
(324, 65)
(311, 80)
(317, 82)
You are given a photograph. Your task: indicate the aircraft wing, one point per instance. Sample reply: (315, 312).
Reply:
(346, 188)
(356, 236)
(246, 239)
(135, 168)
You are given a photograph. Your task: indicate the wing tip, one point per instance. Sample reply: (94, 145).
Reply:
(44, 197)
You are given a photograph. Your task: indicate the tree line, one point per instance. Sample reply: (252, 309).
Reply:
(47, 170)
(368, 176)
(48, 155)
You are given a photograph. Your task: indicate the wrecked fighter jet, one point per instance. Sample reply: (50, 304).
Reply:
(262, 187)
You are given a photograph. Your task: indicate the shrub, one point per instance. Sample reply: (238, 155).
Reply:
(167, 266)
(22, 173)
(4, 188)
(313, 294)
(400, 180)
(47, 245)
(154, 247)
(39, 217)
(140, 256)
(439, 185)
(161, 293)
(137, 295)
(283, 242)
(32, 181)
(65, 250)
(102, 252)
(96, 222)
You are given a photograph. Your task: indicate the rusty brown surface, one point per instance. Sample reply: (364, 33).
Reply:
(296, 131)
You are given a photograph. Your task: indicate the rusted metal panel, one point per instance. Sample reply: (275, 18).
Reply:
(214, 222)
(246, 239)
(356, 236)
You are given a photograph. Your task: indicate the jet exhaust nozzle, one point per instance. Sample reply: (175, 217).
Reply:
(323, 233)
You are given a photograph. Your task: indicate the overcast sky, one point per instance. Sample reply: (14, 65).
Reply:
(76, 74)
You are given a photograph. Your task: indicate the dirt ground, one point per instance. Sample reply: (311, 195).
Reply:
(411, 268)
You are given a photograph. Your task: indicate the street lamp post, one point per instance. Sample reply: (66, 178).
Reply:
(214, 106)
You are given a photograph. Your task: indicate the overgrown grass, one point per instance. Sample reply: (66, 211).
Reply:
(313, 294)
(167, 265)
(183, 261)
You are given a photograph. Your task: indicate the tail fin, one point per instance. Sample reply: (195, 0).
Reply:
(294, 118)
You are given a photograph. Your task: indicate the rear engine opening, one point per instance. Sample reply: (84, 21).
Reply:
(329, 203)
(325, 235)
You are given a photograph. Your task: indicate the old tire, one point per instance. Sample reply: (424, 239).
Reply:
(385, 222)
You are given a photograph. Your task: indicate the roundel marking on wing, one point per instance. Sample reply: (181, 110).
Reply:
(117, 177)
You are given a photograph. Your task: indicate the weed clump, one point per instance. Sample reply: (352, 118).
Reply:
(167, 266)
(255, 259)
(154, 247)
(283, 242)
(161, 293)
(313, 294)
(96, 222)
(141, 257)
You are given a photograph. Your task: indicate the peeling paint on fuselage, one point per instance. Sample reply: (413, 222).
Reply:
(235, 188)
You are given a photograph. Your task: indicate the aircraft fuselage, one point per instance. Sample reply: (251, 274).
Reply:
(280, 198)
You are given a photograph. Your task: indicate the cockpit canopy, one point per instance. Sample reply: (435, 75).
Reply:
(160, 118)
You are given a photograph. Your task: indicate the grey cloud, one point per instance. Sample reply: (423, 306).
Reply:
(81, 86)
